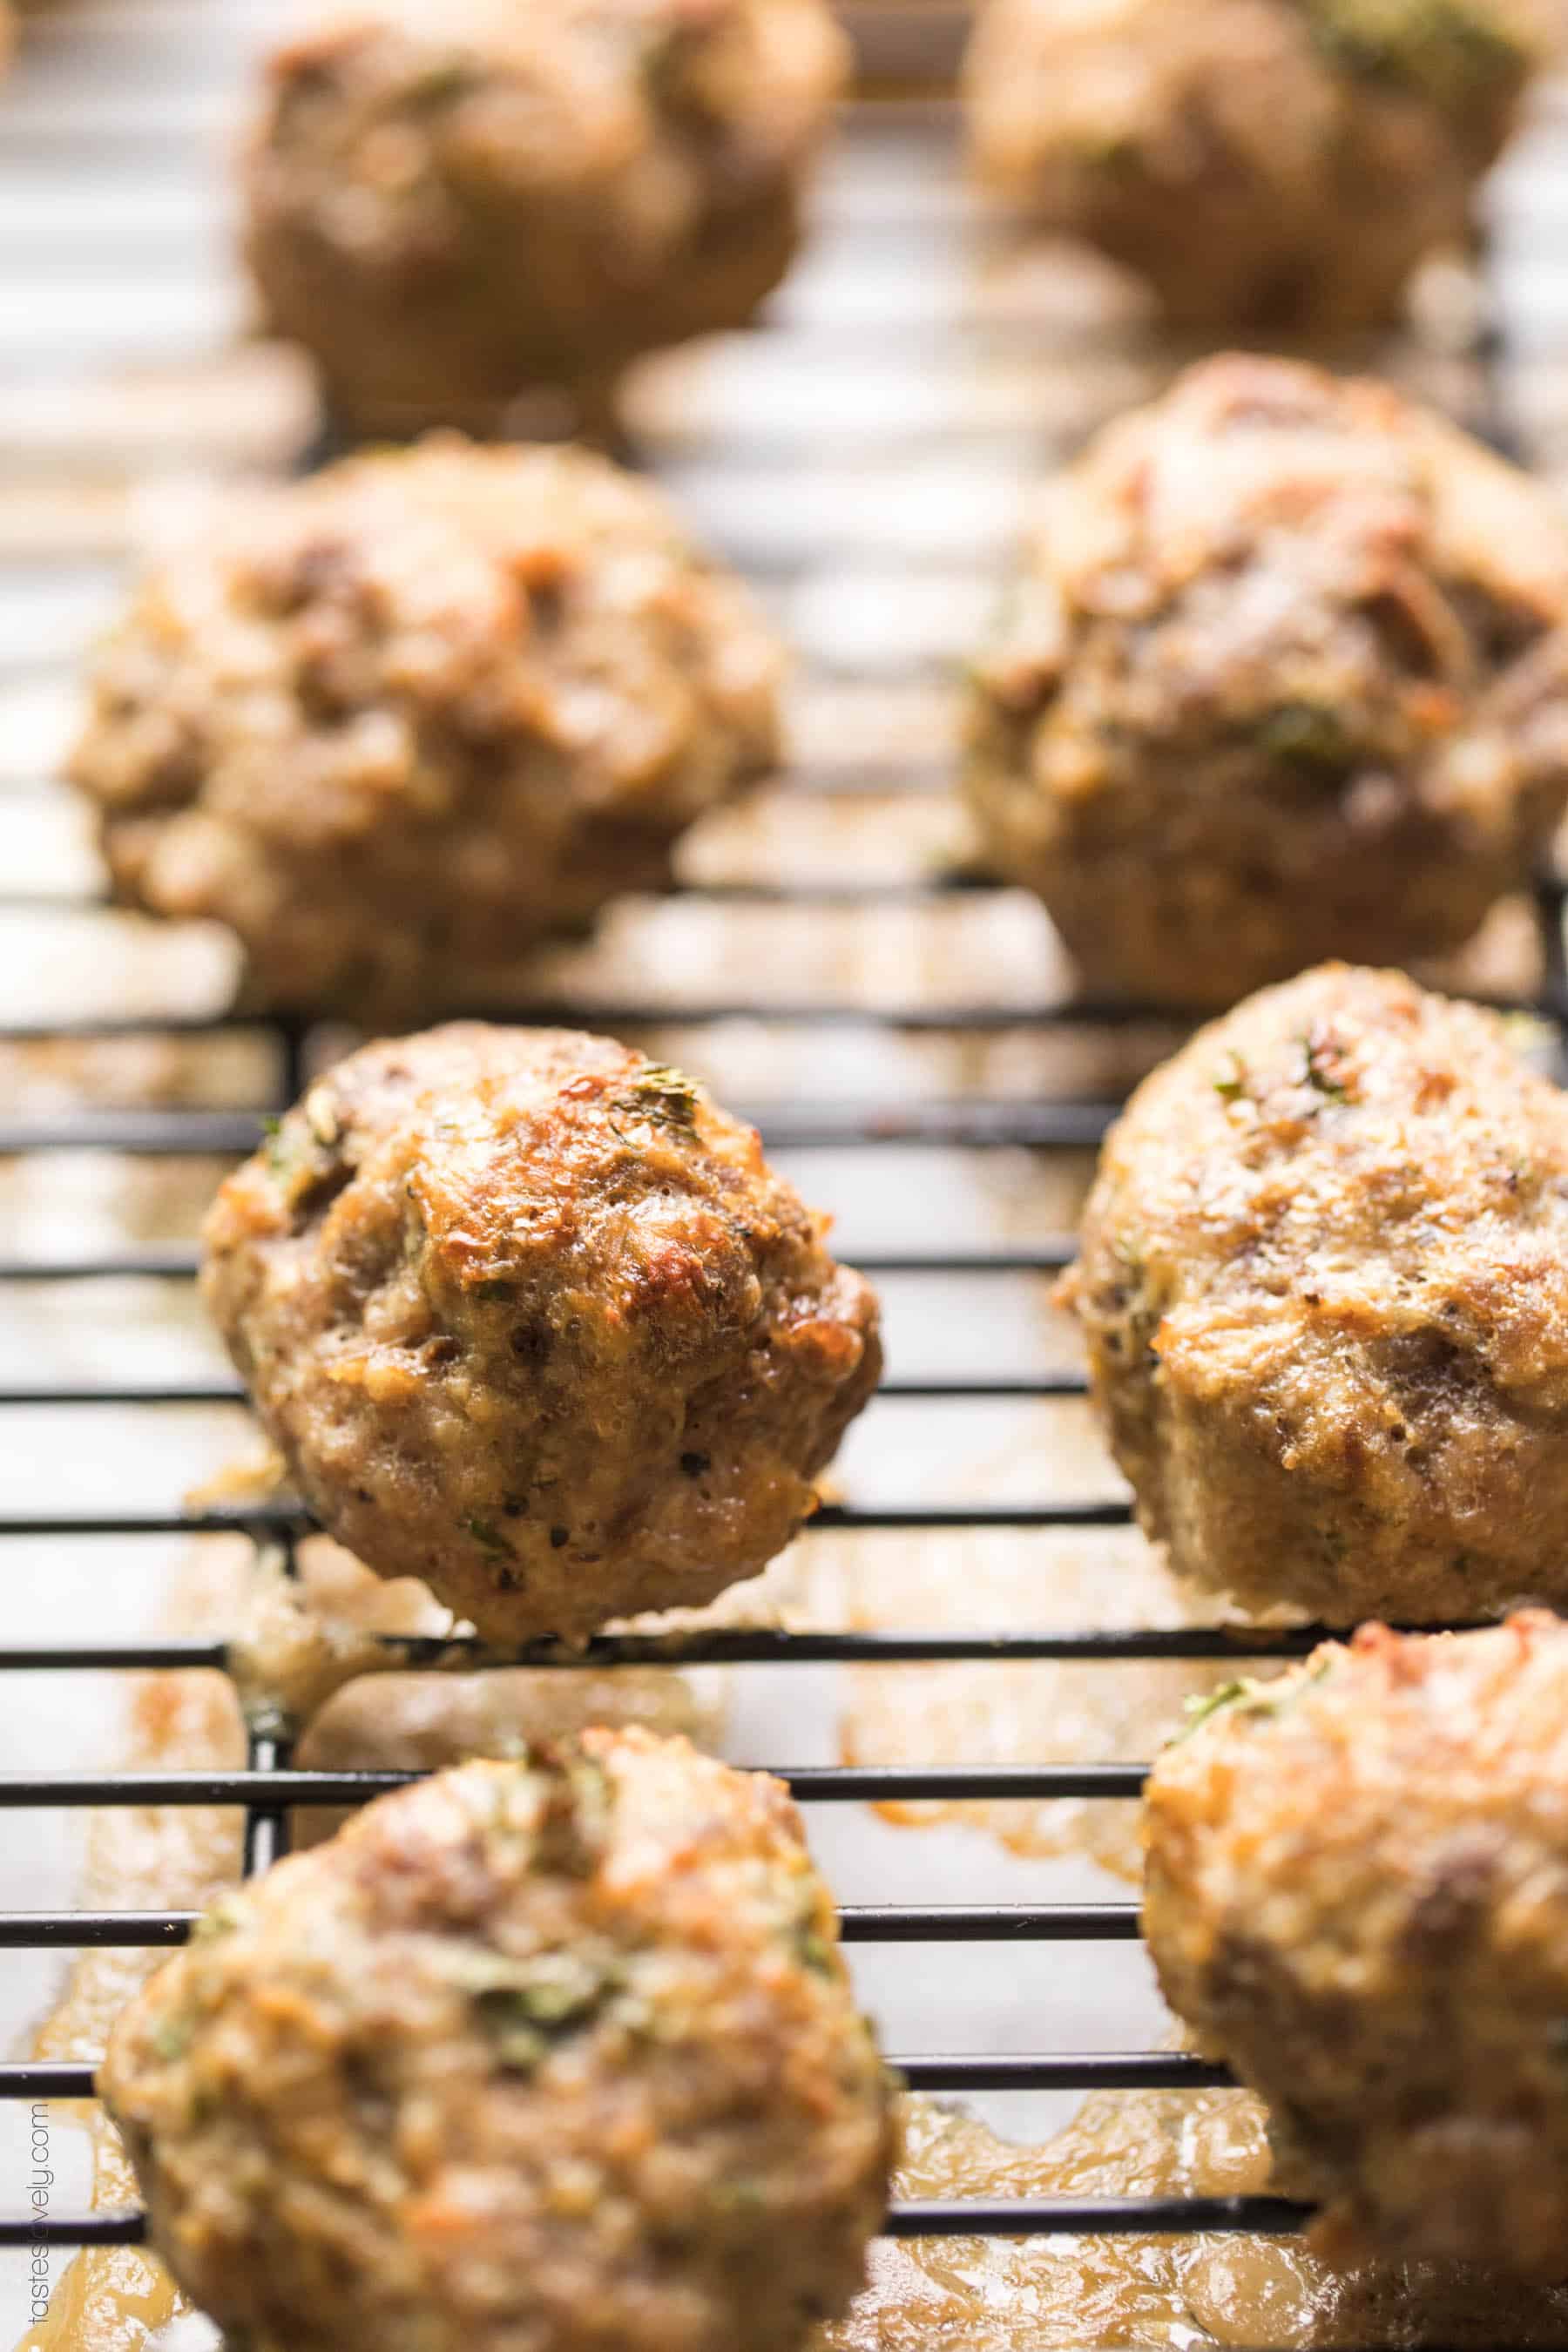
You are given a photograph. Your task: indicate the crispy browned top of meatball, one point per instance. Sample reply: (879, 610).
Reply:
(1285, 675)
(559, 2052)
(451, 204)
(530, 1318)
(1323, 1281)
(1358, 1892)
(395, 723)
(1270, 162)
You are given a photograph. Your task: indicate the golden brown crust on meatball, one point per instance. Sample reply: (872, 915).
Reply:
(1270, 163)
(447, 206)
(1286, 676)
(559, 2053)
(1357, 1892)
(1323, 1282)
(396, 723)
(529, 1318)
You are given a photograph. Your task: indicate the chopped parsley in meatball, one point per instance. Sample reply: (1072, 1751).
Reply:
(1323, 1282)
(1275, 164)
(1285, 676)
(1357, 1892)
(559, 2053)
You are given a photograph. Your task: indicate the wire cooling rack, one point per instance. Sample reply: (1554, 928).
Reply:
(966, 364)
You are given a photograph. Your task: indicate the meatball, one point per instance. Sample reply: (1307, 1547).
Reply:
(397, 723)
(451, 206)
(1275, 164)
(1357, 1892)
(1286, 676)
(559, 2053)
(1323, 1283)
(529, 1316)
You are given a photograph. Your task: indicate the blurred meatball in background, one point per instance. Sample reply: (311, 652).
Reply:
(396, 724)
(1323, 1282)
(1284, 676)
(1357, 1892)
(528, 1317)
(450, 205)
(1274, 165)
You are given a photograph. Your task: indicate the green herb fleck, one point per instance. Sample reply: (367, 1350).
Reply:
(1317, 1069)
(664, 1096)
(446, 77)
(1308, 737)
(487, 1537)
(172, 2037)
(1233, 1087)
(1252, 1697)
(741, 2195)
(526, 2006)
(815, 1952)
(1448, 50)
(1202, 1705)
(278, 1155)
(221, 1919)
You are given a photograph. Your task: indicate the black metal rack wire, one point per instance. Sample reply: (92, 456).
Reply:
(267, 1788)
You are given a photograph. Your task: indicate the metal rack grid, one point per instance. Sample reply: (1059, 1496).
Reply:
(902, 43)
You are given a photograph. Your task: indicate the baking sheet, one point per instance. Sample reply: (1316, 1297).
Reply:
(863, 457)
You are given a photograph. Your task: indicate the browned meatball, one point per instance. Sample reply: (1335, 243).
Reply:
(1323, 1281)
(447, 205)
(529, 1316)
(1357, 1892)
(396, 724)
(558, 2055)
(1285, 676)
(1268, 163)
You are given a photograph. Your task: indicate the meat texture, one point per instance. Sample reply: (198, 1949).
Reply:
(1357, 1892)
(1323, 1283)
(558, 2053)
(1284, 676)
(529, 1318)
(397, 724)
(451, 206)
(1280, 165)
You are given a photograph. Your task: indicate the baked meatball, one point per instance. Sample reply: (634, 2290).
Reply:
(450, 205)
(559, 2053)
(529, 1316)
(1285, 676)
(1323, 1283)
(1357, 1892)
(396, 724)
(1275, 164)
